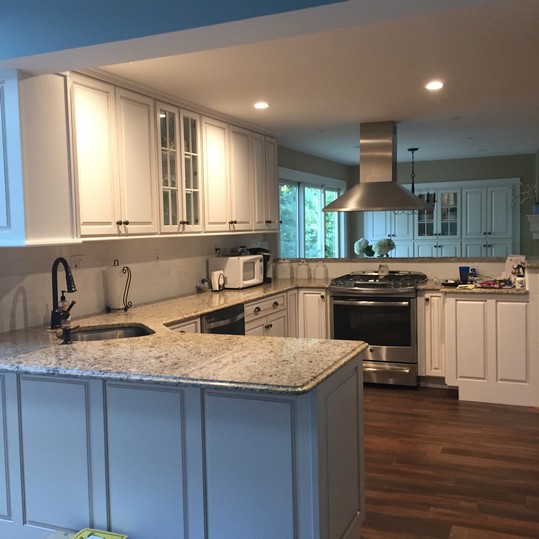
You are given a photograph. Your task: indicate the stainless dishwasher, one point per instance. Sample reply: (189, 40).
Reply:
(227, 321)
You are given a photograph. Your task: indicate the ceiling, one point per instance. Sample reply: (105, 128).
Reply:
(328, 69)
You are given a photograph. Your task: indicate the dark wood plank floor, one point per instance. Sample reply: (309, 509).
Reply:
(439, 468)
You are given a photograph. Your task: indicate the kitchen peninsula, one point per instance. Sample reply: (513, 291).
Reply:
(180, 435)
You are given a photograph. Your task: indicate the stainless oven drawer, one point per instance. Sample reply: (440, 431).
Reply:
(394, 354)
(404, 374)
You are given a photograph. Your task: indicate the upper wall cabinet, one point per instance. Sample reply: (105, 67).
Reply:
(471, 219)
(240, 179)
(488, 220)
(114, 163)
(179, 171)
(265, 182)
(34, 161)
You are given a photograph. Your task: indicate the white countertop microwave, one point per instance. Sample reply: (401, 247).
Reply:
(240, 271)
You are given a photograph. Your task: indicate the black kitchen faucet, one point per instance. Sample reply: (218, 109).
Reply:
(59, 313)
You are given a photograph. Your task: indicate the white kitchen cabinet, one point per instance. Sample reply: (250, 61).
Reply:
(292, 312)
(34, 161)
(430, 334)
(488, 219)
(191, 326)
(487, 351)
(137, 163)
(179, 170)
(313, 313)
(438, 248)
(241, 184)
(114, 156)
(216, 175)
(265, 182)
(389, 224)
(267, 317)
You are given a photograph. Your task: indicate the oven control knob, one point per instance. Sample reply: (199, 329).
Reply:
(371, 350)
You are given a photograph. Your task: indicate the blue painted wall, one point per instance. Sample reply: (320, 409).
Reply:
(29, 27)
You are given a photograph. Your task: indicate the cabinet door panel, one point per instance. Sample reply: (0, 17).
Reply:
(240, 178)
(258, 160)
(95, 157)
(277, 324)
(471, 320)
(56, 435)
(138, 466)
(249, 467)
(512, 348)
(499, 217)
(136, 142)
(272, 184)
(474, 216)
(216, 183)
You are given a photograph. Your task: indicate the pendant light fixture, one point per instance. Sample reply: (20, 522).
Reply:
(430, 199)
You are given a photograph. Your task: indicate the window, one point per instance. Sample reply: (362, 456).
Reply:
(306, 231)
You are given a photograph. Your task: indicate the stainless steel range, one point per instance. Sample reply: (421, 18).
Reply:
(379, 308)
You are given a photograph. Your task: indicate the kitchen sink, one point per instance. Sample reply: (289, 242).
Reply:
(113, 331)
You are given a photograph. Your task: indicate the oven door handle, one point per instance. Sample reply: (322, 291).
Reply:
(402, 370)
(365, 303)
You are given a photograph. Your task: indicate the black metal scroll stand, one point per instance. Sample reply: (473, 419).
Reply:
(126, 302)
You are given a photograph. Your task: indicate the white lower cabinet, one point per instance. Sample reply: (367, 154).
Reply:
(292, 312)
(191, 326)
(154, 461)
(487, 350)
(267, 318)
(313, 313)
(430, 335)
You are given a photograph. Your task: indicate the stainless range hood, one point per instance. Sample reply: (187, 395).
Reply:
(377, 188)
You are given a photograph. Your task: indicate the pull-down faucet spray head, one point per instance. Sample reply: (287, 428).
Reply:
(58, 313)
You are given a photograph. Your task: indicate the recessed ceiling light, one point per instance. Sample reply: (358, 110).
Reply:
(434, 85)
(261, 105)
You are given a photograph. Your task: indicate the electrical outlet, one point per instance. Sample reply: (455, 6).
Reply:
(75, 261)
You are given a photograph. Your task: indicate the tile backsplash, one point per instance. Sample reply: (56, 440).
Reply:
(161, 268)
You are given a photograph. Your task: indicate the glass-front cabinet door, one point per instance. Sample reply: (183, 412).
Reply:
(192, 188)
(179, 170)
(443, 219)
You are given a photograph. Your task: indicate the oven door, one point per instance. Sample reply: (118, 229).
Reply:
(388, 325)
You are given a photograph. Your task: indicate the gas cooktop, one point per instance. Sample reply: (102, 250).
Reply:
(373, 282)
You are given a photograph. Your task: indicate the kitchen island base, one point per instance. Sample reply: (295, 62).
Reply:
(156, 460)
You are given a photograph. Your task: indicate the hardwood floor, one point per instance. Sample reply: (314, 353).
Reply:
(439, 468)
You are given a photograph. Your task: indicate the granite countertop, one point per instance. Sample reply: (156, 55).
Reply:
(432, 285)
(271, 364)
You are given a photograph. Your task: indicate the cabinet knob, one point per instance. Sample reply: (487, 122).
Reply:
(427, 300)
(275, 304)
(119, 222)
(268, 221)
(233, 222)
(257, 310)
(185, 222)
(268, 326)
(126, 222)
(322, 296)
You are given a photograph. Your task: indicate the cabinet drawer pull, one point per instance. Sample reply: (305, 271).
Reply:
(257, 310)
(275, 304)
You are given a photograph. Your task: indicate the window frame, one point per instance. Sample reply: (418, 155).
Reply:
(303, 179)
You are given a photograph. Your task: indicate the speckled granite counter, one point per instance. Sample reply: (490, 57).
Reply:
(237, 362)
(431, 286)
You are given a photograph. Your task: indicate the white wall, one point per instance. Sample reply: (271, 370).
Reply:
(25, 273)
